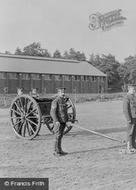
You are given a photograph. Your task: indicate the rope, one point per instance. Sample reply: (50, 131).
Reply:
(97, 133)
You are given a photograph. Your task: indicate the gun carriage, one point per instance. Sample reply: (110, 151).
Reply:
(28, 114)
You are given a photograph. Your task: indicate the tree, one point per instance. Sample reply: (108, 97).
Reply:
(92, 58)
(75, 55)
(57, 54)
(109, 65)
(45, 53)
(95, 60)
(72, 54)
(35, 49)
(66, 55)
(127, 71)
(123, 73)
(18, 51)
(7, 52)
(132, 74)
(80, 56)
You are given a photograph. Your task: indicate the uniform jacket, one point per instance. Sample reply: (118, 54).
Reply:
(129, 106)
(59, 110)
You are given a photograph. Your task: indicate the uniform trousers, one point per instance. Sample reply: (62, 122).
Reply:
(131, 133)
(58, 132)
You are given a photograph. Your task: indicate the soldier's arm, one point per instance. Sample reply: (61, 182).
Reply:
(53, 111)
(126, 109)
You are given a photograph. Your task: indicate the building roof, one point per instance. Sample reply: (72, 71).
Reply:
(30, 64)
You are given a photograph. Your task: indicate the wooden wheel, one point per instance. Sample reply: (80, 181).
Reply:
(49, 123)
(71, 110)
(25, 117)
(71, 117)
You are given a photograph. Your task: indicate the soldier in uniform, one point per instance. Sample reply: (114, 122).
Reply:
(60, 117)
(34, 93)
(129, 109)
(19, 91)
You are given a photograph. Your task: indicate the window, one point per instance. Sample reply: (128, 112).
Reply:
(85, 77)
(76, 77)
(35, 76)
(67, 77)
(25, 76)
(82, 78)
(47, 77)
(94, 78)
(100, 78)
(58, 77)
(103, 79)
(90, 78)
(2, 75)
(12, 75)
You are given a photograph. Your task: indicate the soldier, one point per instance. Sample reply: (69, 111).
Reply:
(19, 91)
(129, 109)
(60, 117)
(34, 93)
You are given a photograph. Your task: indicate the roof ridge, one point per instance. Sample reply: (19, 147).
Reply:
(38, 58)
(12, 63)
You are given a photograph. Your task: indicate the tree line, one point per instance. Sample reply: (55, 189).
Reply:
(119, 74)
(35, 49)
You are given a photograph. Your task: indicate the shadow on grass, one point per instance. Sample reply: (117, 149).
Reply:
(97, 149)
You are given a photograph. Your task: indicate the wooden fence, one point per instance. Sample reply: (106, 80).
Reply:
(6, 99)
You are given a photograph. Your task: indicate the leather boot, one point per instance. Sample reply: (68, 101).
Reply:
(64, 153)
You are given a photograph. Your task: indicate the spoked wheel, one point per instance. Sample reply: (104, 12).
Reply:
(25, 117)
(48, 121)
(71, 118)
(71, 110)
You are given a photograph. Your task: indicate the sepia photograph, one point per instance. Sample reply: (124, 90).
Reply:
(67, 95)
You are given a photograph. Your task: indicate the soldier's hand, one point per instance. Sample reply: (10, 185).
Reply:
(57, 123)
(129, 122)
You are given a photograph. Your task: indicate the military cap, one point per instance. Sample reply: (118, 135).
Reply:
(21, 88)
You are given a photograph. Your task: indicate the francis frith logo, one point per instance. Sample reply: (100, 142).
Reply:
(106, 21)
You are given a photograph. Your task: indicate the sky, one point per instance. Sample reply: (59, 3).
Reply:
(63, 24)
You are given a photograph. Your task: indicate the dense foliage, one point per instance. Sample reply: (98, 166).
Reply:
(35, 49)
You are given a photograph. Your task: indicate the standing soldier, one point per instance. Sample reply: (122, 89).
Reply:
(129, 109)
(60, 117)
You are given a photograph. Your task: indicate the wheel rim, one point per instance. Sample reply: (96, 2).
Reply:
(71, 110)
(49, 123)
(25, 117)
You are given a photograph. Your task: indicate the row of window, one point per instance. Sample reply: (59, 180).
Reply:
(26, 76)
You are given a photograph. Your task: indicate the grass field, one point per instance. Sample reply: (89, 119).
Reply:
(93, 162)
